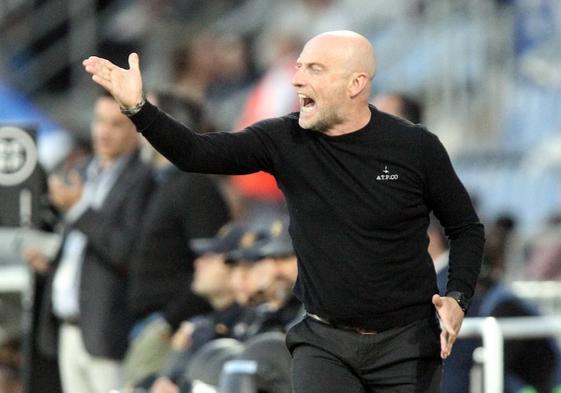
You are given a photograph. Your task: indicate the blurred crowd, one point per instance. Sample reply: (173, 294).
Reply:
(176, 282)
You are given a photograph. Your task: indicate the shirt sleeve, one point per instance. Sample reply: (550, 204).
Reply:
(448, 199)
(229, 153)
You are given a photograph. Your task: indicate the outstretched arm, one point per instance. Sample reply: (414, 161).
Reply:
(124, 85)
(221, 153)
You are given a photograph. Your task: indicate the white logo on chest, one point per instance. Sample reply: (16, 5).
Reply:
(386, 176)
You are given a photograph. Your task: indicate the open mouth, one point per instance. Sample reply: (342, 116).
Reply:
(306, 103)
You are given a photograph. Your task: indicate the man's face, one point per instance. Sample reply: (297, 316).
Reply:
(286, 269)
(321, 82)
(264, 275)
(242, 282)
(113, 134)
(275, 277)
(211, 276)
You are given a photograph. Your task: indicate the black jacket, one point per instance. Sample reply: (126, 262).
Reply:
(111, 235)
(185, 206)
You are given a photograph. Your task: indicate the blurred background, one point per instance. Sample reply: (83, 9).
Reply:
(484, 75)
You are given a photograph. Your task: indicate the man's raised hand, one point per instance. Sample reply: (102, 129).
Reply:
(124, 85)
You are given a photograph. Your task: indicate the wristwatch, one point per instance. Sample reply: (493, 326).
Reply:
(135, 109)
(461, 298)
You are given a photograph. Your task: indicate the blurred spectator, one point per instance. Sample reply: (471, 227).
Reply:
(531, 362)
(9, 380)
(269, 268)
(401, 105)
(234, 77)
(79, 154)
(439, 251)
(271, 96)
(262, 272)
(212, 280)
(194, 67)
(544, 254)
(492, 298)
(215, 71)
(124, 26)
(10, 366)
(184, 206)
(534, 362)
(498, 245)
(273, 93)
(84, 319)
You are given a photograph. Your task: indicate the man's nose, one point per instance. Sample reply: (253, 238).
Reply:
(297, 79)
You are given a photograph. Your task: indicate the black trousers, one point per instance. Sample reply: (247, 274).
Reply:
(331, 360)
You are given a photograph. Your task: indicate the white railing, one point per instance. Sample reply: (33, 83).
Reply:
(493, 331)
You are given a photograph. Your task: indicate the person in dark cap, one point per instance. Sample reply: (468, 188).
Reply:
(271, 311)
(274, 254)
(211, 281)
(274, 271)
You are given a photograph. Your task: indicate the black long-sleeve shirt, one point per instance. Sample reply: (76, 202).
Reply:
(359, 205)
(184, 207)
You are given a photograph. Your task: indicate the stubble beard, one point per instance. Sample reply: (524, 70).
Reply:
(327, 119)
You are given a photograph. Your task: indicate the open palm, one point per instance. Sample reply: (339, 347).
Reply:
(124, 85)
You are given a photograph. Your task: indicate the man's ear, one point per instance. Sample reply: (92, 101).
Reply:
(357, 84)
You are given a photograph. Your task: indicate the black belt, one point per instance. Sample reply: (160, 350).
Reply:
(342, 327)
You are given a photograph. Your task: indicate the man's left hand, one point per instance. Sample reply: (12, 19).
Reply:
(451, 316)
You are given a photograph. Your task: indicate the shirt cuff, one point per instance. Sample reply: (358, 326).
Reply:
(145, 117)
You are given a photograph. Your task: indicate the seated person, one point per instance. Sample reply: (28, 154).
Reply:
(212, 280)
(529, 362)
(272, 270)
(263, 273)
(273, 274)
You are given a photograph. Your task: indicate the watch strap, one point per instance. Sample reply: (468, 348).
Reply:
(461, 298)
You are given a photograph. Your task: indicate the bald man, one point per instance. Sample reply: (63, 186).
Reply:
(359, 186)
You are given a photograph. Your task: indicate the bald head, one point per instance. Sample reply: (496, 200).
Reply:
(333, 78)
(353, 50)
